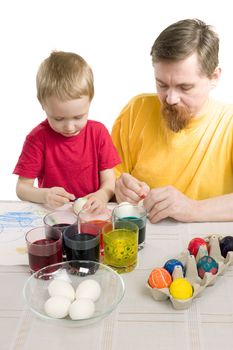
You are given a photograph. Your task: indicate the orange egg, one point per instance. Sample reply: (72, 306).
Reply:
(160, 278)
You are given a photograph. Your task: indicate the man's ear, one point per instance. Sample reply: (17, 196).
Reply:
(216, 76)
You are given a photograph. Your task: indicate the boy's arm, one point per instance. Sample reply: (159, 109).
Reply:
(107, 185)
(98, 200)
(54, 196)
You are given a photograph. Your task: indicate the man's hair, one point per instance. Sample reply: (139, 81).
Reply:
(64, 75)
(185, 37)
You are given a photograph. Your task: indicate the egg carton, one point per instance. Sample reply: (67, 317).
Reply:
(191, 273)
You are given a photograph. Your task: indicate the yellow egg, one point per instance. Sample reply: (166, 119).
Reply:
(181, 288)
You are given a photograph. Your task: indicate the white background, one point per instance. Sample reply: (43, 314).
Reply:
(115, 38)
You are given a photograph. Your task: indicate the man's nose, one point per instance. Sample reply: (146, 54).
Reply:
(172, 97)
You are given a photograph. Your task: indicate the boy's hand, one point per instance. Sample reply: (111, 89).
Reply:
(94, 204)
(57, 196)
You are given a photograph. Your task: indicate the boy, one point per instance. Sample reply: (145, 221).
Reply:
(70, 155)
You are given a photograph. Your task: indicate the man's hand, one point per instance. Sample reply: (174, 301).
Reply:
(166, 202)
(129, 189)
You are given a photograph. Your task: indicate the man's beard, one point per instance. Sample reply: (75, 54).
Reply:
(176, 117)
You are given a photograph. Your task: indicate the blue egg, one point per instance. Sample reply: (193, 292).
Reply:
(171, 264)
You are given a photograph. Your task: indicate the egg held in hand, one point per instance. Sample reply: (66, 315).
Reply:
(79, 204)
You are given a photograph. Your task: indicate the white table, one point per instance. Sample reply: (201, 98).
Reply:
(139, 321)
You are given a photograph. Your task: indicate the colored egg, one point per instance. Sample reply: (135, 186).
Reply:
(226, 245)
(171, 264)
(181, 289)
(195, 244)
(207, 264)
(159, 278)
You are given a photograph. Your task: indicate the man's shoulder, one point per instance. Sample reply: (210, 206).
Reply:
(142, 104)
(222, 109)
(146, 98)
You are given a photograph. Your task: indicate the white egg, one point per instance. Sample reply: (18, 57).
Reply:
(78, 204)
(57, 307)
(126, 209)
(81, 308)
(61, 288)
(122, 203)
(88, 289)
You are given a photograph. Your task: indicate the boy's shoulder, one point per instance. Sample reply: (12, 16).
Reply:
(96, 126)
(40, 129)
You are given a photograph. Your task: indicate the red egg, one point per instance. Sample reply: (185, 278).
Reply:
(195, 244)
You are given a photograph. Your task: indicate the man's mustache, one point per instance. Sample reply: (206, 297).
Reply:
(176, 117)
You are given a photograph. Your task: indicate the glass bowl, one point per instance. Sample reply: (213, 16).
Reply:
(35, 290)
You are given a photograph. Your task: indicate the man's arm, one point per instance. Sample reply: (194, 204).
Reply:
(167, 201)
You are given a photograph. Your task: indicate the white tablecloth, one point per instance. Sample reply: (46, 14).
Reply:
(139, 322)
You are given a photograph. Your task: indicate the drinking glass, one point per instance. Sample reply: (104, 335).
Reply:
(133, 213)
(60, 219)
(44, 247)
(121, 245)
(100, 220)
(82, 242)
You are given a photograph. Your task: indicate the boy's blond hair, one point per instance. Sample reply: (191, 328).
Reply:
(64, 75)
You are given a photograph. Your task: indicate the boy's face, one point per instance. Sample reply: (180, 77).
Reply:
(67, 118)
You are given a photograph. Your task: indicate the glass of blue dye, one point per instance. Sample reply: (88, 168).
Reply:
(134, 213)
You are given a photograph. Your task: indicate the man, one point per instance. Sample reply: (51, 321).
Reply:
(176, 146)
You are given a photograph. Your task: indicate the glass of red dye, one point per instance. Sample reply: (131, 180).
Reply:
(44, 246)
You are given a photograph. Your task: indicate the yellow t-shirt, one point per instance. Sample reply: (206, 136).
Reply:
(197, 160)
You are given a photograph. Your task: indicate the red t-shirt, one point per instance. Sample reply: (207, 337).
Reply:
(72, 162)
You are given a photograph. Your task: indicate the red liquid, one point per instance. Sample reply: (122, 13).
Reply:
(100, 224)
(41, 254)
